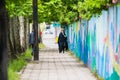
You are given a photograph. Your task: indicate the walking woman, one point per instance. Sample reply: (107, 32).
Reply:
(31, 41)
(61, 40)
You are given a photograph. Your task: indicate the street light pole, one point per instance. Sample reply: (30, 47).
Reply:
(35, 27)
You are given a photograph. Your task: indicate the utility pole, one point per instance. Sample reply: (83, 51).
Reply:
(35, 27)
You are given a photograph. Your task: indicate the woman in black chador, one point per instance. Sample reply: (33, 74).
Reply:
(62, 41)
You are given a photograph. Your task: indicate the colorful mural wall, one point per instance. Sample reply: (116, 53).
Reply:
(97, 43)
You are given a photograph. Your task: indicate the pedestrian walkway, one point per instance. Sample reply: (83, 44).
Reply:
(56, 66)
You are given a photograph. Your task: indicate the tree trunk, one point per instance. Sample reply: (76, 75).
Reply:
(3, 41)
(22, 32)
(16, 37)
(35, 27)
(10, 40)
(27, 32)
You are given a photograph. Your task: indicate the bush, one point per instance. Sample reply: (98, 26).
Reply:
(17, 64)
(12, 75)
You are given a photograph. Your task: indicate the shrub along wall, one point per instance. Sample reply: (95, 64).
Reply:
(97, 43)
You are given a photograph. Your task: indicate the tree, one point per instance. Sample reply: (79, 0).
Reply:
(18, 34)
(3, 41)
(67, 11)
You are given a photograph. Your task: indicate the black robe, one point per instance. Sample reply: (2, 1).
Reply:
(61, 42)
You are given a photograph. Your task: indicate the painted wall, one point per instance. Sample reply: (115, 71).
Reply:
(97, 43)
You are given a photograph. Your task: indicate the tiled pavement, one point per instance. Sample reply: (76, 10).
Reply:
(55, 66)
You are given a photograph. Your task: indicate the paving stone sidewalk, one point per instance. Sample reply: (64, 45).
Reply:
(56, 66)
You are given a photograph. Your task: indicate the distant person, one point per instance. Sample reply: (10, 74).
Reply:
(31, 41)
(61, 40)
(40, 37)
(40, 33)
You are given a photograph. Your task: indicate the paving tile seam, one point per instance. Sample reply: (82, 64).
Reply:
(56, 70)
(75, 71)
(72, 71)
(40, 68)
(57, 77)
(53, 60)
(43, 66)
(64, 70)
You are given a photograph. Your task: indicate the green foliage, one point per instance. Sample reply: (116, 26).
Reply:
(28, 54)
(62, 11)
(19, 8)
(17, 64)
(12, 75)
(67, 11)
(91, 7)
(118, 4)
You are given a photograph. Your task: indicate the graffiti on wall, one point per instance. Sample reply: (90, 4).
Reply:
(97, 43)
